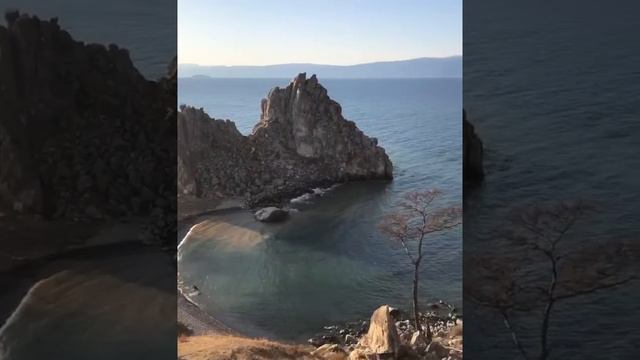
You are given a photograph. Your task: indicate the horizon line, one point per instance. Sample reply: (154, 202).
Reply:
(310, 63)
(332, 77)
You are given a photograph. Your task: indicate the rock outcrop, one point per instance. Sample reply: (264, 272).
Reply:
(302, 141)
(211, 156)
(82, 133)
(382, 338)
(374, 339)
(473, 169)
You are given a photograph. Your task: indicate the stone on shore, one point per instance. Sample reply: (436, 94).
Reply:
(271, 214)
(435, 347)
(382, 338)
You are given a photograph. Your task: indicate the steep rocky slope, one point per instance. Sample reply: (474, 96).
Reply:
(301, 141)
(82, 133)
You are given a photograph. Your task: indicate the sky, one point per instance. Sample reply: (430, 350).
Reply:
(336, 32)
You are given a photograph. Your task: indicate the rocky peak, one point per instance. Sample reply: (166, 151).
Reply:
(302, 141)
(305, 121)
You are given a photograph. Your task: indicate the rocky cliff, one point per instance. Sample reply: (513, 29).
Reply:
(212, 156)
(301, 141)
(473, 169)
(82, 132)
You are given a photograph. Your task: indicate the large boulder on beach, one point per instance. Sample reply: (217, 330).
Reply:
(301, 142)
(271, 214)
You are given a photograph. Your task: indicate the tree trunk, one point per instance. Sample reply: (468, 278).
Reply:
(416, 311)
(544, 349)
(416, 318)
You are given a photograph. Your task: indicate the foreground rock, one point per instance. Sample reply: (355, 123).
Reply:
(301, 142)
(353, 337)
(473, 170)
(83, 135)
(271, 214)
(381, 340)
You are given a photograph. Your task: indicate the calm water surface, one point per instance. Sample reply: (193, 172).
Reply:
(553, 92)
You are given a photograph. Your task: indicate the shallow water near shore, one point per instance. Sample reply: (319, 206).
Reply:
(118, 299)
(328, 263)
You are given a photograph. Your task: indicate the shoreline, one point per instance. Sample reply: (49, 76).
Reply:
(191, 212)
(198, 321)
(201, 322)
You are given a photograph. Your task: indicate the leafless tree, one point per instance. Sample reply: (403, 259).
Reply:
(411, 222)
(544, 268)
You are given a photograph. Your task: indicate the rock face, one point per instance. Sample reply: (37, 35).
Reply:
(472, 153)
(356, 337)
(82, 132)
(301, 142)
(271, 214)
(211, 156)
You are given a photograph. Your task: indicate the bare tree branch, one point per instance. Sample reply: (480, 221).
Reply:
(414, 220)
(514, 335)
(518, 282)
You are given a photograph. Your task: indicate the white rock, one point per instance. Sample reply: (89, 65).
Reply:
(271, 214)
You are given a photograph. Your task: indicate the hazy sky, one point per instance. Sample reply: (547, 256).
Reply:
(341, 32)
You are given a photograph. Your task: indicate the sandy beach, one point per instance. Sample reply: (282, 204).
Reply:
(228, 223)
(117, 297)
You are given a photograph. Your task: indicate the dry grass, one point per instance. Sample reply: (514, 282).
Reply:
(227, 347)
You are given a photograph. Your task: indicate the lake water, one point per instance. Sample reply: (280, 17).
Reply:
(328, 263)
(553, 92)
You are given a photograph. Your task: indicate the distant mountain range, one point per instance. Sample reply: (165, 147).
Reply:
(414, 68)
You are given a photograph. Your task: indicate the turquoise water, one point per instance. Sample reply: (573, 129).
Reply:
(329, 263)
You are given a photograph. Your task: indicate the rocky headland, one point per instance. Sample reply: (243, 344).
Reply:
(302, 141)
(83, 135)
